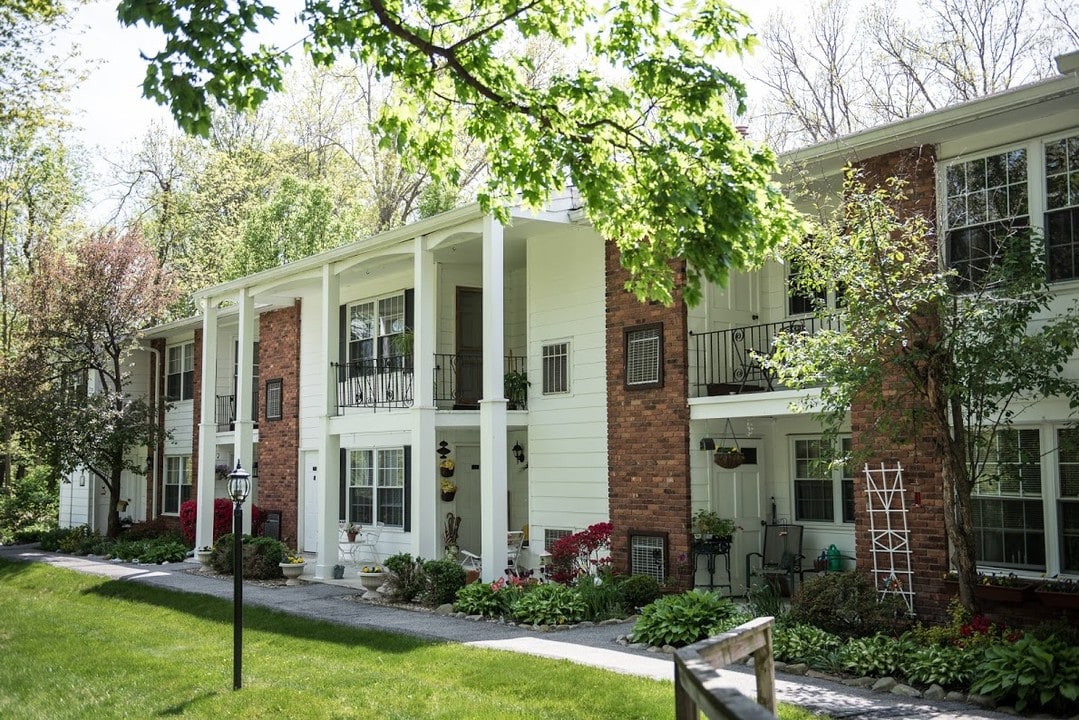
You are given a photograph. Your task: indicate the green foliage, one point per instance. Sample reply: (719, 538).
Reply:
(949, 666)
(847, 603)
(803, 643)
(442, 580)
(682, 619)
(479, 598)
(638, 591)
(1033, 674)
(66, 540)
(30, 508)
(261, 556)
(878, 655)
(549, 604)
(406, 580)
(151, 529)
(763, 601)
(654, 154)
(150, 551)
(602, 596)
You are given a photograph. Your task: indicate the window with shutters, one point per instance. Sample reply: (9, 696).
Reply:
(376, 487)
(644, 356)
(180, 372)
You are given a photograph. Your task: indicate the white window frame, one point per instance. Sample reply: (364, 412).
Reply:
(840, 481)
(386, 323)
(178, 475)
(644, 371)
(555, 364)
(180, 363)
(381, 473)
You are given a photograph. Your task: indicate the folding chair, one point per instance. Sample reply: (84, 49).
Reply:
(514, 540)
(782, 556)
(367, 542)
(471, 561)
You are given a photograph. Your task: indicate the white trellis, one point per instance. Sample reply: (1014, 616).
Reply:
(888, 532)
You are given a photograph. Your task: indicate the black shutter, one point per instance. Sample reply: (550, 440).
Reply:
(408, 488)
(342, 339)
(410, 304)
(343, 472)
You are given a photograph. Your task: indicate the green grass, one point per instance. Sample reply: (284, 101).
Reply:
(77, 646)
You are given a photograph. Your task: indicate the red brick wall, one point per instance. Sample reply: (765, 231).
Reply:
(279, 440)
(647, 429)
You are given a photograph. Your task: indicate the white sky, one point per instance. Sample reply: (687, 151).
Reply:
(109, 113)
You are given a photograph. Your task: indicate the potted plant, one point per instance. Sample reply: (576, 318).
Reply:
(372, 577)
(448, 488)
(1059, 593)
(728, 458)
(446, 467)
(204, 555)
(351, 532)
(708, 524)
(221, 471)
(516, 388)
(1008, 588)
(292, 567)
(403, 343)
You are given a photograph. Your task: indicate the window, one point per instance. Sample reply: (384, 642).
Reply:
(556, 368)
(1009, 523)
(180, 375)
(1068, 467)
(1062, 208)
(376, 487)
(798, 301)
(374, 330)
(274, 389)
(177, 483)
(648, 556)
(986, 199)
(644, 356)
(816, 479)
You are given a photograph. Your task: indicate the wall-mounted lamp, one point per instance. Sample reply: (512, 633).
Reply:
(518, 452)
(255, 469)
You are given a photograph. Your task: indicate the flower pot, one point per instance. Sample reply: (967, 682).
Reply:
(447, 496)
(292, 572)
(728, 460)
(445, 472)
(351, 536)
(372, 581)
(1056, 599)
(204, 556)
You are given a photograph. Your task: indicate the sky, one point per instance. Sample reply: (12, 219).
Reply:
(109, 113)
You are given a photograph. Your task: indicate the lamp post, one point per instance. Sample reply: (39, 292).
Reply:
(239, 487)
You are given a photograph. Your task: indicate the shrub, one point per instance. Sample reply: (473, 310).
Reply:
(405, 582)
(878, 655)
(261, 556)
(151, 551)
(30, 508)
(602, 596)
(682, 619)
(68, 540)
(846, 604)
(638, 591)
(1031, 673)
(763, 601)
(578, 554)
(150, 529)
(804, 643)
(946, 665)
(222, 519)
(549, 604)
(479, 598)
(442, 580)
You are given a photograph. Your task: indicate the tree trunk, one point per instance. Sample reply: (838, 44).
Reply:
(113, 484)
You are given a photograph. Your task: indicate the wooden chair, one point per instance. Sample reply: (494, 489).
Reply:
(782, 556)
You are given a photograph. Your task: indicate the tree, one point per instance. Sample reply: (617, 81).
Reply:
(924, 346)
(836, 72)
(84, 308)
(31, 77)
(653, 153)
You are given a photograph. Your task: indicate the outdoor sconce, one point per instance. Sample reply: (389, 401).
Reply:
(518, 452)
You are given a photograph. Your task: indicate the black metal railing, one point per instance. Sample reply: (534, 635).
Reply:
(459, 378)
(225, 410)
(726, 362)
(383, 382)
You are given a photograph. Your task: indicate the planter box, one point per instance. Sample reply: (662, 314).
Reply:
(1008, 595)
(1060, 600)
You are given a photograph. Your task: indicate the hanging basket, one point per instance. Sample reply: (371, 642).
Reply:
(448, 496)
(729, 459)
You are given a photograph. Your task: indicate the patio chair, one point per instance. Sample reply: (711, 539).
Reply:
(367, 542)
(514, 540)
(471, 561)
(782, 556)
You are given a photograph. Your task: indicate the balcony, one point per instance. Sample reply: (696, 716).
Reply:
(725, 362)
(225, 411)
(388, 382)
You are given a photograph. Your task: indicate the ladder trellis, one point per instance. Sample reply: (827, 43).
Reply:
(888, 532)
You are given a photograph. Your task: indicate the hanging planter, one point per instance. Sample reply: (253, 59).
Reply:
(729, 456)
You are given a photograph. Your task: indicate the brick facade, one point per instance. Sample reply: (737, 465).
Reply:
(279, 440)
(647, 430)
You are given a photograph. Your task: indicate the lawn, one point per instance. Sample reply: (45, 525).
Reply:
(77, 646)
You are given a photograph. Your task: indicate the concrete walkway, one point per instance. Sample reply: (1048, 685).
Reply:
(593, 645)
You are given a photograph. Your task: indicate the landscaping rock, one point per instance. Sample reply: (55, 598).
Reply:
(446, 609)
(780, 666)
(797, 669)
(955, 696)
(612, 621)
(639, 646)
(906, 691)
(586, 623)
(861, 682)
(934, 692)
(981, 700)
(669, 649)
(820, 675)
(1007, 710)
(885, 684)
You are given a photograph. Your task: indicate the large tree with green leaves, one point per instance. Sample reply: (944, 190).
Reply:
(647, 138)
(921, 346)
(84, 307)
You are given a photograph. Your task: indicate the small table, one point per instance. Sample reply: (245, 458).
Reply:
(710, 548)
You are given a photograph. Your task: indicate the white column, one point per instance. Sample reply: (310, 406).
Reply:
(204, 529)
(426, 516)
(329, 460)
(244, 428)
(493, 451)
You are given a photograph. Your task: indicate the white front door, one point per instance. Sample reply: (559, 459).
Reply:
(739, 494)
(310, 477)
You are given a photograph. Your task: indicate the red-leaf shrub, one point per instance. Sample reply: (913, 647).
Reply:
(222, 519)
(575, 555)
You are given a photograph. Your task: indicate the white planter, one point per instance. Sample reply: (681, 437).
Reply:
(372, 581)
(292, 572)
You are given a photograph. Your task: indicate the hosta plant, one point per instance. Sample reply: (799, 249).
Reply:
(682, 619)
(803, 643)
(550, 604)
(877, 656)
(945, 665)
(1033, 674)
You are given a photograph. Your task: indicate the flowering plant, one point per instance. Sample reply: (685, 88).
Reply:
(372, 569)
(204, 548)
(446, 464)
(292, 559)
(1009, 580)
(1060, 585)
(353, 529)
(581, 553)
(448, 486)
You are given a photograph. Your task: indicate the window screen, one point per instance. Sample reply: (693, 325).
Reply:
(644, 358)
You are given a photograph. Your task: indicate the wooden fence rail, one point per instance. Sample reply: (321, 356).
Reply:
(698, 687)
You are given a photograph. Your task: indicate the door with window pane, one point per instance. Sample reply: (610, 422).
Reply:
(469, 347)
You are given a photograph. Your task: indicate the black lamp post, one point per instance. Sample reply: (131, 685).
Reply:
(239, 488)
